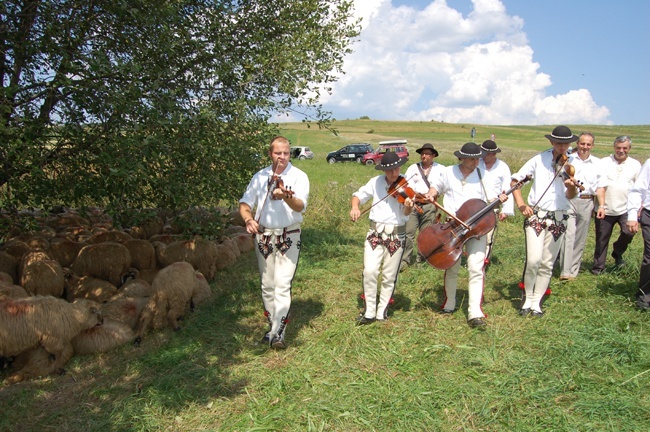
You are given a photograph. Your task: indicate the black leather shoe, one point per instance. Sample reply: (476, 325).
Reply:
(618, 260)
(524, 312)
(596, 272)
(362, 320)
(536, 314)
(447, 311)
(266, 340)
(477, 323)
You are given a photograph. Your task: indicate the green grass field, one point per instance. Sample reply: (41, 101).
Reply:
(585, 366)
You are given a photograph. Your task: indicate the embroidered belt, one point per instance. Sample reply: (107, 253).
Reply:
(388, 228)
(279, 231)
(587, 196)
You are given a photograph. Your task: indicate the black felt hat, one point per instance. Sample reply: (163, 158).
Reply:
(562, 135)
(469, 150)
(427, 146)
(490, 146)
(391, 160)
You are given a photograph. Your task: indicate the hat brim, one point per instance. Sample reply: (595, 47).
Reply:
(434, 151)
(460, 155)
(399, 163)
(553, 139)
(496, 150)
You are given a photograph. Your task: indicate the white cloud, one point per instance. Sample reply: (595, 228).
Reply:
(437, 64)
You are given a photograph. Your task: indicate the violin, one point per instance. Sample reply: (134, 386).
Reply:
(276, 182)
(400, 191)
(442, 243)
(569, 171)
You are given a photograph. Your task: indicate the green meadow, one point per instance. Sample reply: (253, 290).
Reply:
(584, 366)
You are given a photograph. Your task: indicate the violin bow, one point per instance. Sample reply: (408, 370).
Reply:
(387, 195)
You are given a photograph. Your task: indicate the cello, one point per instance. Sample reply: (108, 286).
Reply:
(441, 244)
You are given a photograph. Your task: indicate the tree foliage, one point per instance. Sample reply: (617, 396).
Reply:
(129, 104)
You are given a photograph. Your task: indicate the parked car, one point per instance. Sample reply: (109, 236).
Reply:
(351, 152)
(398, 146)
(300, 152)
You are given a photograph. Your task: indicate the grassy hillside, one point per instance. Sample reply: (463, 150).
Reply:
(584, 366)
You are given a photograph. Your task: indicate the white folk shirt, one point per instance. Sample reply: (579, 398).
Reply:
(542, 169)
(415, 180)
(272, 213)
(457, 189)
(618, 178)
(639, 195)
(389, 211)
(497, 180)
(586, 171)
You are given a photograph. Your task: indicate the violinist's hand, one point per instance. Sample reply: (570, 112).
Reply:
(503, 197)
(408, 202)
(354, 214)
(526, 210)
(278, 194)
(430, 197)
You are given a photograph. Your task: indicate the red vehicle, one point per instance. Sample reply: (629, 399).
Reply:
(374, 157)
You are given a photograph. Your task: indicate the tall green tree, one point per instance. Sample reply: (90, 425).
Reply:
(166, 103)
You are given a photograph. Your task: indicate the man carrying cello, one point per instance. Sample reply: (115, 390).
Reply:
(546, 215)
(460, 183)
(386, 236)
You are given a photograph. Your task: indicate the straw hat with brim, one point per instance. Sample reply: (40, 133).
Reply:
(427, 146)
(562, 135)
(490, 146)
(469, 150)
(391, 160)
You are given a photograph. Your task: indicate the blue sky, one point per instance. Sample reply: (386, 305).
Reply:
(498, 62)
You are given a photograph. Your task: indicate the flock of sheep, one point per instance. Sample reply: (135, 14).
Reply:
(78, 286)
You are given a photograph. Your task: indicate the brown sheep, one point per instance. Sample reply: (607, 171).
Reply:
(135, 288)
(16, 248)
(126, 310)
(173, 288)
(233, 230)
(87, 287)
(109, 236)
(31, 257)
(166, 238)
(6, 278)
(245, 242)
(64, 220)
(202, 254)
(9, 265)
(43, 278)
(73, 233)
(48, 322)
(232, 244)
(64, 251)
(35, 241)
(143, 254)
(102, 338)
(108, 261)
(32, 363)
(9, 290)
(201, 292)
(225, 256)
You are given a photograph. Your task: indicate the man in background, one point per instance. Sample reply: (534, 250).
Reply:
(581, 207)
(617, 174)
(420, 176)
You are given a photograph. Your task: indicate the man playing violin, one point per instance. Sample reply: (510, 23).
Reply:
(279, 193)
(460, 183)
(385, 239)
(581, 209)
(546, 216)
(419, 177)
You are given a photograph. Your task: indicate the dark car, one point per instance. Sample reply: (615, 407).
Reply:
(351, 152)
(398, 146)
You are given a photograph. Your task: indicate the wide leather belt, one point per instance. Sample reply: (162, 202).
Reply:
(587, 196)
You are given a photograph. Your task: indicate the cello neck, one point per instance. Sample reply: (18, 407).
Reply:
(491, 206)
